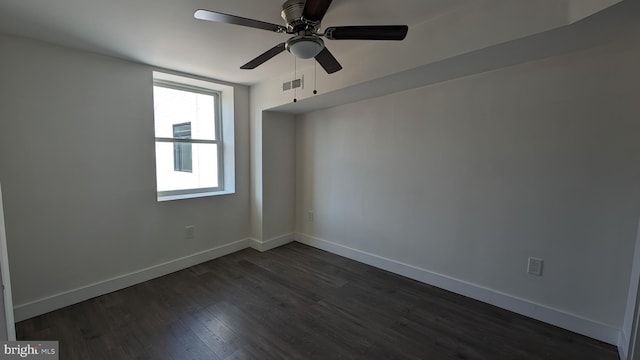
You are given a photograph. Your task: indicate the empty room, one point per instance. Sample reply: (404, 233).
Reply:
(347, 179)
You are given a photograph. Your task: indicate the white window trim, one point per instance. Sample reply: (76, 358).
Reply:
(226, 129)
(218, 130)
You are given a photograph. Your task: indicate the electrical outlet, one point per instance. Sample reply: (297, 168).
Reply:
(534, 266)
(189, 232)
(310, 216)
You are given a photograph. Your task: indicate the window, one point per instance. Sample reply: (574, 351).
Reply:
(182, 160)
(190, 140)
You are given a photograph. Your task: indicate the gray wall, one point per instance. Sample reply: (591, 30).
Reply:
(469, 177)
(279, 177)
(77, 168)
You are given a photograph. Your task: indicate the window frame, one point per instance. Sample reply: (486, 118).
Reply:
(218, 142)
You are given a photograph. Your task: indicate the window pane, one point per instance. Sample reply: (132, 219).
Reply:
(182, 131)
(181, 151)
(174, 107)
(204, 172)
(182, 160)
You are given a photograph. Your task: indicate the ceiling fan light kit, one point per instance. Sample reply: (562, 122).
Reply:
(304, 46)
(302, 20)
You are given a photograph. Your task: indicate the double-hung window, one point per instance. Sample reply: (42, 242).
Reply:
(189, 140)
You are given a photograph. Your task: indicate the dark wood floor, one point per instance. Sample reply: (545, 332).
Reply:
(297, 302)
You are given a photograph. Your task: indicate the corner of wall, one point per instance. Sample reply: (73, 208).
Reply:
(580, 9)
(273, 243)
(623, 345)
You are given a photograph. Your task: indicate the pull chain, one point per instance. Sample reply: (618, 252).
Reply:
(315, 77)
(295, 76)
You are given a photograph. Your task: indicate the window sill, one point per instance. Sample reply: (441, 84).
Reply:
(194, 195)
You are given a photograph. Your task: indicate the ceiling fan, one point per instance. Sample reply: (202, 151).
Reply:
(303, 22)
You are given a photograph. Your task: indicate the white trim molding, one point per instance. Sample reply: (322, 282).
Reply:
(57, 301)
(73, 296)
(623, 345)
(628, 341)
(5, 292)
(265, 245)
(524, 307)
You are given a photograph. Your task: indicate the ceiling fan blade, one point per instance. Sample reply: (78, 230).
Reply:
(237, 20)
(264, 57)
(328, 62)
(314, 10)
(380, 32)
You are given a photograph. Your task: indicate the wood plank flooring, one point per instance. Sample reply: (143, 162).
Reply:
(297, 302)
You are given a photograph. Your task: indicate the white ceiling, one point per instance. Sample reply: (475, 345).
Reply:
(164, 33)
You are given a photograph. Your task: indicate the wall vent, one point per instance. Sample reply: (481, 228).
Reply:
(293, 84)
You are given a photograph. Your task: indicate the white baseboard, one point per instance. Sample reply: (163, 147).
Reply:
(524, 307)
(265, 245)
(57, 301)
(543, 313)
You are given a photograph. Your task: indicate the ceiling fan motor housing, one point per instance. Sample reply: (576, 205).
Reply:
(292, 14)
